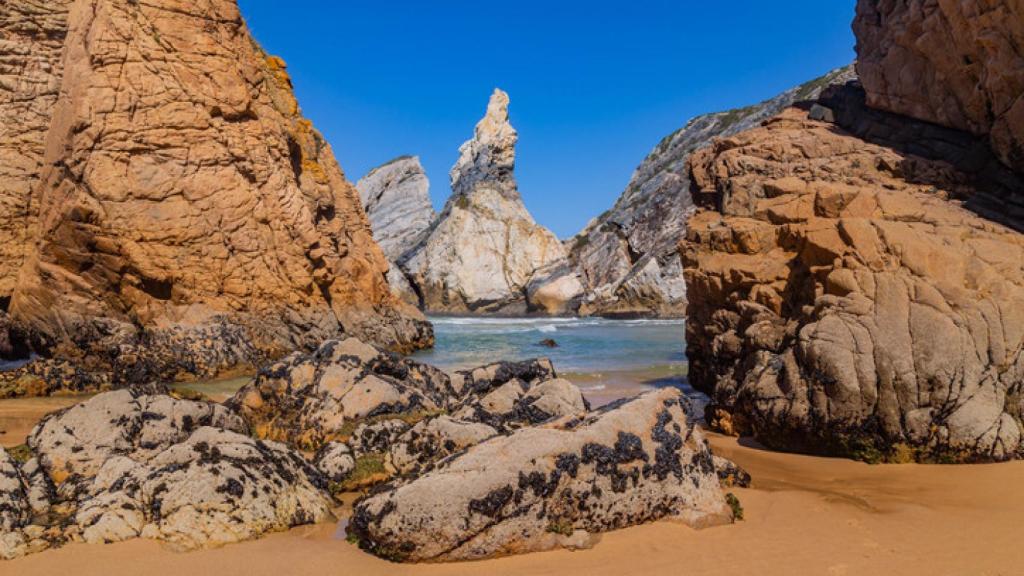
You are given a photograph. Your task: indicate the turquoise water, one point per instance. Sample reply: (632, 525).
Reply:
(585, 345)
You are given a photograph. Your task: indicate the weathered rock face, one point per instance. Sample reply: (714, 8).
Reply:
(309, 399)
(625, 262)
(181, 193)
(484, 247)
(74, 443)
(550, 486)
(138, 463)
(15, 510)
(846, 297)
(31, 38)
(396, 197)
(953, 63)
(214, 488)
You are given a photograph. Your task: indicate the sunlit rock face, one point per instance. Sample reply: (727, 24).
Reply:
(850, 290)
(160, 184)
(482, 250)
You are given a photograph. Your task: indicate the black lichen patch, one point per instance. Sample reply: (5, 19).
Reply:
(492, 504)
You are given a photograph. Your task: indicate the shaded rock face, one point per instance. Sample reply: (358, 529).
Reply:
(31, 37)
(396, 197)
(180, 192)
(957, 64)
(484, 247)
(626, 259)
(138, 463)
(311, 399)
(846, 297)
(555, 485)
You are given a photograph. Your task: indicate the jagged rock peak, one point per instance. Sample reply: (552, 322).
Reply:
(396, 196)
(491, 153)
(483, 249)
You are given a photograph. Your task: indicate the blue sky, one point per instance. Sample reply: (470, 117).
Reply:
(594, 84)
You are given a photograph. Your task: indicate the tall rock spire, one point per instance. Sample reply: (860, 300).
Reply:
(485, 246)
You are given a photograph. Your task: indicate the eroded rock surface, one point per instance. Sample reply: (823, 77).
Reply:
(180, 194)
(396, 197)
(846, 297)
(953, 63)
(555, 485)
(214, 488)
(139, 463)
(310, 399)
(484, 247)
(31, 38)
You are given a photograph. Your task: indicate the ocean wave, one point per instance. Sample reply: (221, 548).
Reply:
(548, 328)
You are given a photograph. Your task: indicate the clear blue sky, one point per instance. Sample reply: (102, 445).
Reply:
(594, 84)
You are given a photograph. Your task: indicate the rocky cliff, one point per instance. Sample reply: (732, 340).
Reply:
(625, 261)
(185, 218)
(31, 38)
(958, 64)
(396, 197)
(856, 281)
(484, 247)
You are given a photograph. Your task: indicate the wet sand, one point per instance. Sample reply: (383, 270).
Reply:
(804, 515)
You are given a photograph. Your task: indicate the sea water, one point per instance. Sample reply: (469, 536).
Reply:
(584, 345)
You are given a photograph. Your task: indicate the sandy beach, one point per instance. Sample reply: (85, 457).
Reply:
(804, 515)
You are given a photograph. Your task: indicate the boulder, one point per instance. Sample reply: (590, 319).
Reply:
(183, 229)
(433, 440)
(484, 247)
(214, 488)
(309, 399)
(73, 444)
(518, 403)
(952, 63)
(847, 295)
(554, 485)
(335, 461)
(15, 509)
(138, 463)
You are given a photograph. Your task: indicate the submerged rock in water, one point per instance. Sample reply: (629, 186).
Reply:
(554, 485)
(484, 247)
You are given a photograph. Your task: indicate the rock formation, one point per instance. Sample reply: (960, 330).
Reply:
(846, 295)
(484, 247)
(311, 399)
(555, 485)
(396, 197)
(625, 263)
(183, 219)
(139, 463)
(31, 38)
(957, 64)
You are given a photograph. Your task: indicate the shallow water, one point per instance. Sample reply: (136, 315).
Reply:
(607, 359)
(585, 345)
